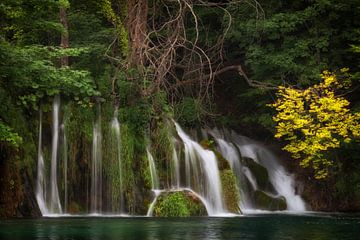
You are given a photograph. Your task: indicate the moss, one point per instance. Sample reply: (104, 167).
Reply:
(230, 190)
(162, 147)
(179, 204)
(264, 201)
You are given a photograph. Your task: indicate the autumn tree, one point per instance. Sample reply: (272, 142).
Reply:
(315, 121)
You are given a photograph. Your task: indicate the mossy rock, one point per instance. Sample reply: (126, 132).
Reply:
(261, 175)
(266, 202)
(179, 204)
(223, 164)
(230, 190)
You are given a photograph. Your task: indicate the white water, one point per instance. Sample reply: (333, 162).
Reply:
(176, 170)
(96, 167)
(115, 129)
(157, 193)
(282, 181)
(65, 159)
(202, 174)
(55, 206)
(153, 173)
(40, 180)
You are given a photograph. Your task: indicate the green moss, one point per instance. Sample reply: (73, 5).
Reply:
(230, 190)
(179, 204)
(267, 202)
(162, 147)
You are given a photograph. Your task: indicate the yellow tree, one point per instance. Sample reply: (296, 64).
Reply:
(314, 121)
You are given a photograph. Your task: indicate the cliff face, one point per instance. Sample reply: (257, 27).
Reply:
(17, 198)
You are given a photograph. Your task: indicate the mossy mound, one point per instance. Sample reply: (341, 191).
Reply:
(230, 190)
(261, 175)
(264, 201)
(179, 204)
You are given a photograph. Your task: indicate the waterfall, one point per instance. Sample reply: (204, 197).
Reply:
(153, 174)
(96, 167)
(55, 206)
(279, 178)
(175, 170)
(202, 173)
(40, 180)
(157, 193)
(282, 181)
(65, 161)
(154, 182)
(116, 139)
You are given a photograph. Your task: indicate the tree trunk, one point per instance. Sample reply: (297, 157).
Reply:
(137, 27)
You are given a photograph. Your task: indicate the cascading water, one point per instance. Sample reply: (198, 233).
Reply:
(55, 206)
(40, 181)
(96, 167)
(281, 181)
(202, 173)
(116, 140)
(154, 182)
(192, 168)
(65, 162)
(153, 174)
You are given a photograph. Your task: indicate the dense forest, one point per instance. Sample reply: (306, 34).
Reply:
(285, 73)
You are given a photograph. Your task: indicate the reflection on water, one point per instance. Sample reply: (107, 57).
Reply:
(276, 227)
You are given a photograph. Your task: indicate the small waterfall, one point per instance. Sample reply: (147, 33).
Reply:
(154, 182)
(65, 161)
(40, 180)
(202, 173)
(96, 167)
(176, 170)
(55, 206)
(157, 193)
(154, 176)
(282, 181)
(116, 139)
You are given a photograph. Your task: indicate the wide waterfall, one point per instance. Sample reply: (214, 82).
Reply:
(192, 168)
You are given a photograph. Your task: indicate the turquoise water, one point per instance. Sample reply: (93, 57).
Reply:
(277, 227)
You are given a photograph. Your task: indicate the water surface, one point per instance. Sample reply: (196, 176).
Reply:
(267, 226)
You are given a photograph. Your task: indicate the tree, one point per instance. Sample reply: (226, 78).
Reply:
(315, 121)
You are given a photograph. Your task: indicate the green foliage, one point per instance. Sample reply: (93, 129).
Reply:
(315, 121)
(189, 111)
(31, 72)
(178, 204)
(8, 136)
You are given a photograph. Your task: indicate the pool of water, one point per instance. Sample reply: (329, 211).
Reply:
(259, 226)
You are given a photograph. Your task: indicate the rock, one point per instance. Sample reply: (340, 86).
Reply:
(261, 175)
(266, 202)
(179, 204)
